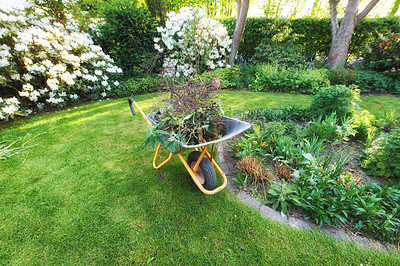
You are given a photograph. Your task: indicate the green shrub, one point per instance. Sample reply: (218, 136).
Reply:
(337, 99)
(370, 81)
(323, 129)
(383, 55)
(127, 35)
(315, 33)
(224, 74)
(280, 49)
(383, 158)
(366, 80)
(342, 76)
(272, 78)
(363, 122)
(136, 86)
(245, 74)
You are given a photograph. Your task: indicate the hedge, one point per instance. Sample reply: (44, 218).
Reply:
(316, 33)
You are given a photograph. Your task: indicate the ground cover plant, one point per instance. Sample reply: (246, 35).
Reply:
(87, 194)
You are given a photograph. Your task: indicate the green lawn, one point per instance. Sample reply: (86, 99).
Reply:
(88, 194)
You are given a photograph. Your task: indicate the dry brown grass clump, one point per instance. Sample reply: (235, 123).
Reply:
(283, 171)
(253, 168)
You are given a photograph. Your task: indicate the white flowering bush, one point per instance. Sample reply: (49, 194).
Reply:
(45, 63)
(192, 43)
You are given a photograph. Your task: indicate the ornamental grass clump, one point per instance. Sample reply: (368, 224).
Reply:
(192, 43)
(44, 63)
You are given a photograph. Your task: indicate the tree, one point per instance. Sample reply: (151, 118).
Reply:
(341, 35)
(395, 8)
(242, 9)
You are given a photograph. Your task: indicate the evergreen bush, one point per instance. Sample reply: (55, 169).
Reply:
(127, 35)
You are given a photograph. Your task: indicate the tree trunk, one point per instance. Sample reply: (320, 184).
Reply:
(395, 8)
(243, 8)
(341, 35)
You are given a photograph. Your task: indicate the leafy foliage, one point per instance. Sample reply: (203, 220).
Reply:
(366, 80)
(45, 63)
(331, 128)
(191, 113)
(281, 49)
(337, 99)
(314, 33)
(127, 35)
(280, 196)
(285, 113)
(342, 76)
(383, 157)
(371, 81)
(224, 75)
(273, 78)
(137, 85)
(382, 55)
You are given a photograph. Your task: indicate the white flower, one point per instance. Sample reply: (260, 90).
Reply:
(60, 60)
(116, 83)
(27, 77)
(12, 101)
(103, 94)
(188, 36)
(10, 109)
(53, 83)
(15, 77)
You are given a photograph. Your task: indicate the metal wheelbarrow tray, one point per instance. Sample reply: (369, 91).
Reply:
(200, 163)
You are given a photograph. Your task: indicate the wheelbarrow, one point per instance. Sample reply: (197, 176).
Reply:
(200, 163)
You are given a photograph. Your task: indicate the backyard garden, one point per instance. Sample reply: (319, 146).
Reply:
(77, 185)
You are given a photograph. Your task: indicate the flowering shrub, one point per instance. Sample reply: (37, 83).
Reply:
(192, 43)
(382, 55)
(342, 76)
(46, 63)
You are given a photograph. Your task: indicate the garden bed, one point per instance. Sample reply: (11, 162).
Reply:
(314, 165)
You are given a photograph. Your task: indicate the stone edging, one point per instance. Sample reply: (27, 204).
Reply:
(293, 222)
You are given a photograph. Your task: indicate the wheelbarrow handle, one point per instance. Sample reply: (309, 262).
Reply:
(132, 102)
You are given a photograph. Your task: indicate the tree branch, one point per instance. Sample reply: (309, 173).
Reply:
(239, 9)
(333, 16)
(366, 10)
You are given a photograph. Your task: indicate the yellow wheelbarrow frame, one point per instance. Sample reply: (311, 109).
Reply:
(233, 126)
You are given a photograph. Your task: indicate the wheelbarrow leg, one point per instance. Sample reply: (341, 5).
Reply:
(155, 158)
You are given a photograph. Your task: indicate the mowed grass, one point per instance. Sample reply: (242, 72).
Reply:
(88, 194)
(241, 101)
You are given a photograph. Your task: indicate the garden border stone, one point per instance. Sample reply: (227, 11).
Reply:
(293, 222)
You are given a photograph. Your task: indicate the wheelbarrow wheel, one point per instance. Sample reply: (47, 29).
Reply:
(205, 172)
